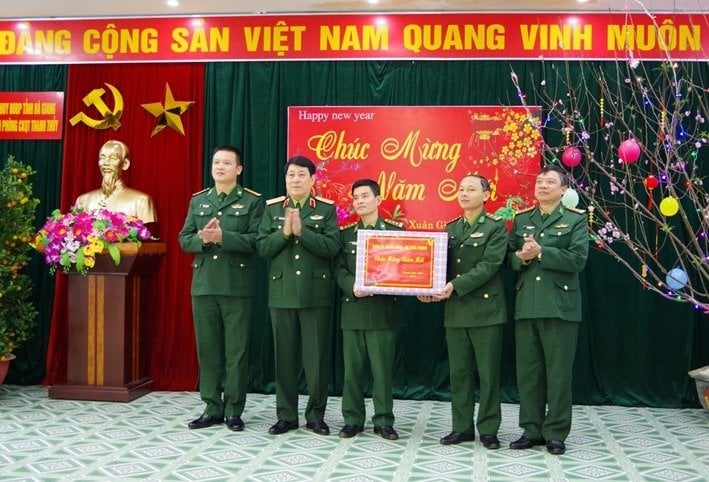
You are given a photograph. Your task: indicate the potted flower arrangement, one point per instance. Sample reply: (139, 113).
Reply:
(71, 241)
(17, 313)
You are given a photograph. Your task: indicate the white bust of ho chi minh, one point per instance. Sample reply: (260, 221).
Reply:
(113, 159)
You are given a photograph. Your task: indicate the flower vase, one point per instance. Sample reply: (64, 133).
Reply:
(5, 366)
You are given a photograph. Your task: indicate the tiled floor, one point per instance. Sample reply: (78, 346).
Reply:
(147, 439)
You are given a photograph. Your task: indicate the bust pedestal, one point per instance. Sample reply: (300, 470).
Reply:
(106, 324)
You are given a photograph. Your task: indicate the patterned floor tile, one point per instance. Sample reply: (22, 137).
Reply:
(43, 439)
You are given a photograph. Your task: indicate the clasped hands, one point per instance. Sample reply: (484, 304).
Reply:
(211, 233)
(291, 223)
(530, 249)
(443, 295)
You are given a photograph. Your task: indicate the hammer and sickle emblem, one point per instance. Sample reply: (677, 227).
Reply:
(110, 118)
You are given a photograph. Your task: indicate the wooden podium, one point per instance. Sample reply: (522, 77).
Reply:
(106, 325)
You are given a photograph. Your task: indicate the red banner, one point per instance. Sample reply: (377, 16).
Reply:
(31, 115)
(494, 36)
(418, 155)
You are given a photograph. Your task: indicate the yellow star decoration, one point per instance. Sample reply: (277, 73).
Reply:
(168, 115)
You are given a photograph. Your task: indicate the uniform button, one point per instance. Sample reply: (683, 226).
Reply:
(297, 241)
(353, 251)
(457, 260)
(273, 277)
(541, 235)
(279, 226)
(241, 265)
(324, 276)
(297, 272)
(559, 233)
(219, 213)
(538, 278)
(215, 256)
(201, 213)
(297, 256)
(317, 226)
(566, 288)
(347, 299)
(457, 276)
(475, 245)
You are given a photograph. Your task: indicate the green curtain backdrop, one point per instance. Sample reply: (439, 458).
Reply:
(45, 157)
(635, 348)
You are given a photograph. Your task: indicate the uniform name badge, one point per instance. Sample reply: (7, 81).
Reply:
(401, 262)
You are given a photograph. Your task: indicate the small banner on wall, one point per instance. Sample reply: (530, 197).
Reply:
(418, 155)
(31, 115)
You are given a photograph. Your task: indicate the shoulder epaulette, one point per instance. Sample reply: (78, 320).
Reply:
(454, 220)
(325, 200)
(576, 210)
(525, 210)
(348, 226)
(275, 200)
(200, 192)
(493, 217)
(394, 223)
(250, 191)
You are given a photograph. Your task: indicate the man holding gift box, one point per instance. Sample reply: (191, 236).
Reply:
(369, 324)
(475, 314)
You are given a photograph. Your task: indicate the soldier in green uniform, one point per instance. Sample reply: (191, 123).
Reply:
(369, 324)
(300, 236)
(220, 229)
(475, 314)
(548, 247)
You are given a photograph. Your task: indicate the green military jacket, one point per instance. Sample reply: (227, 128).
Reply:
(369, 312)
(300, 275)
(548, 287)
(226, 269)
(475, 256)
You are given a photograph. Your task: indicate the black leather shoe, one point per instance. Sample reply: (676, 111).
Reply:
(455, 438)
(556, 447)
(387, 432)
(490, 442)
(319, 427)
(349, 431)
(205, 421)
(234, 422)
(282, 426)
(526, 443)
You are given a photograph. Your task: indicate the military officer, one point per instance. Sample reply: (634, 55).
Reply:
(548, 247)
(369, 324)
(300, 236)
(220, 229)
(475, 313)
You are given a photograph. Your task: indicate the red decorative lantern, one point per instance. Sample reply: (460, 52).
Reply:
(571, 156)
(629, 151)
(651, 182)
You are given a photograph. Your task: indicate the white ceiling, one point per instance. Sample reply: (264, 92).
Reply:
(20, 9)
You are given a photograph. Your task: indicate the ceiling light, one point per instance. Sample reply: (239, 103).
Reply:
(172, 3)
(373, 2)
